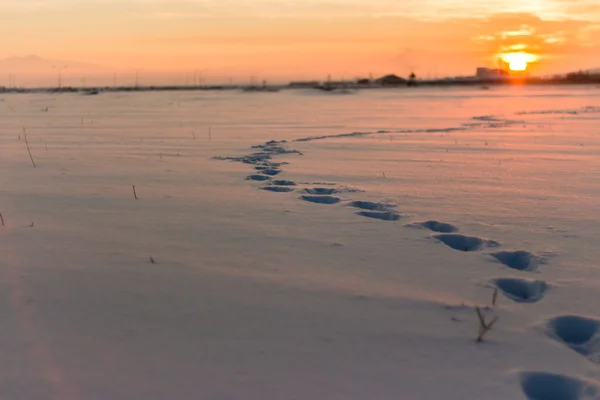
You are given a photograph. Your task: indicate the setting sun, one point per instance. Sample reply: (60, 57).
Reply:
(518, 61)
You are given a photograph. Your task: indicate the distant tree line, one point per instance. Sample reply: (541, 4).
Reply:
(583, 77)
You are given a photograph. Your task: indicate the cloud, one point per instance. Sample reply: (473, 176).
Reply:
(23, 5)
(532, 34)
(584, 9)
(426, 10)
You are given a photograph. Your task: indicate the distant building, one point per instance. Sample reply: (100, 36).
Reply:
(491, 74)
(391, 80)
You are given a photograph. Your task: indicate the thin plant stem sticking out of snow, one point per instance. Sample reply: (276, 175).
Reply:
(2, 219)
(28, 149)
(484, 327)
(134, 193)
(151, 260)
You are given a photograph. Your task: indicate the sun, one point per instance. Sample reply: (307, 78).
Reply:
(518, 61)
(517, 64)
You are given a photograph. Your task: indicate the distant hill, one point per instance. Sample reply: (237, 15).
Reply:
(33, 64)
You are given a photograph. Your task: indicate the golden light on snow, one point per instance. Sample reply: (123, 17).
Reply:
(518, 61)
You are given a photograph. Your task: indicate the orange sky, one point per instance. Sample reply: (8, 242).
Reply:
(285, 39)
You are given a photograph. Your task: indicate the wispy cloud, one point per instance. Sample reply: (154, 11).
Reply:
(23, 5)
(524, 32)
(420, 9)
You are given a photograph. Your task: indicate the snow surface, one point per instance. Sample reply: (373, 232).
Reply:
(208, 288)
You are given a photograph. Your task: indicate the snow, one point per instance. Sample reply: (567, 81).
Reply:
(257, 294)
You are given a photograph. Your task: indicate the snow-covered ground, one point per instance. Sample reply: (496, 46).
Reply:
(210, 287)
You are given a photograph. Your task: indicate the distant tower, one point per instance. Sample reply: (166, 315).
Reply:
(412, 79)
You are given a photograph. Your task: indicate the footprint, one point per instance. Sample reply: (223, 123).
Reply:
(547, 386)
(435, 226)
(254, 158)
(271, 172)
(321, 199)
(262, 167)
(321, 191)
(272, 147)
(269, 163)
(278, 189)
(521, 290)
(369, 205)
(520, 260)
(258, 178)
(274, 164)
(578, 333)
(349, 189)
(383, 215)
(280, 182)
(465, 243)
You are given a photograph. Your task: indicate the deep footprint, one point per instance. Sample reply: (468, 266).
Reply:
(578, 333)
(465, 243)
(271, 172)
(521, 290)
(258, 178)
(278, 189)
(321, 191)
(280, 182)
(382, 215)
(371, 206)
(520, 260)
(436, 226)
(271, 164)
(321, 199)
(546, 386)
(254, 158)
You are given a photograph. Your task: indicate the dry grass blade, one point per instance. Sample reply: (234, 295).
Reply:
(2, 219)
(134, 193)
(483, 326)
(28, 149)
(480, 315)
(495, 297)
(492, 322)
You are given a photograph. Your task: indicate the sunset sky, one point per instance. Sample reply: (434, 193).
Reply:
(283, 39)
